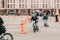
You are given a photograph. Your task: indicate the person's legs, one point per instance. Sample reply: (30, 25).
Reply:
(36, 25)
(34, 28)
(56, 18)
(45, 22)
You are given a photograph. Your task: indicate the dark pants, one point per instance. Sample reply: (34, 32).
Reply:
(56, 17)
(35, 26)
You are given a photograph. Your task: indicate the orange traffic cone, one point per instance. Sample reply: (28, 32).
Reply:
(22, 28)
(25, 22)
(28, 18)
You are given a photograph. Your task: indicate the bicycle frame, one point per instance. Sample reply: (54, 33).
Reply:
(35, 27)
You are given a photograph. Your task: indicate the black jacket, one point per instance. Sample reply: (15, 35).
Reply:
(2, 28)
(35, 18)
(1, 21)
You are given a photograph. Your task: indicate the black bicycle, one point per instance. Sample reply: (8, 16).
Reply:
(46, 25)
(6, 36)
(35, 28)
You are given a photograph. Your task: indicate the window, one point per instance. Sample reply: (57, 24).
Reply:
(22, 5)
(10, 1)
(57, 5)
(13, 5)
(19, 5)
(13, 1)
(35, 5)
(3, 3)
(7, 1)
(32, 5)
(8, 5)
(26, 1)
(20, 1)
(44, 5)
(25, 5)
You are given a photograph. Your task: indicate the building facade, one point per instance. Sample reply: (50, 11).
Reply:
(32, 4)
(28, 5)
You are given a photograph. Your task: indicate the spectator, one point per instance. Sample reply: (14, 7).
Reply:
(2, 28)
(56, 16)
(45, 19)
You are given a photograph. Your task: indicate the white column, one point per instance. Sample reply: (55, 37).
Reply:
(5, 4)
(16, 3)
(28, 4)
(51, 3)
(59, 4)
(41, 3)
(0, 3)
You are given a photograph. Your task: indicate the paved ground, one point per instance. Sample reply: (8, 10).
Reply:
(50, 33)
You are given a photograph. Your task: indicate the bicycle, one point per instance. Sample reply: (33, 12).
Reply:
(4, 36)
(35, 27)
(45, 23)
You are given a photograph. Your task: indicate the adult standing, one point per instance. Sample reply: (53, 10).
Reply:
(56, 15)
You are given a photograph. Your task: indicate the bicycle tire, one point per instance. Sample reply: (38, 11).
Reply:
(34, 29)
(9, 35)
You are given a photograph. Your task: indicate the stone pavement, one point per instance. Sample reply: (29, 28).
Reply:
(45, 33)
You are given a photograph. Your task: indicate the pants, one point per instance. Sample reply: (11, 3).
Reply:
(56, 18)
(35, 25)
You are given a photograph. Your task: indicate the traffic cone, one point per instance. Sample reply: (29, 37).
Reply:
(28, 18)
(22, 28)
(25, 21)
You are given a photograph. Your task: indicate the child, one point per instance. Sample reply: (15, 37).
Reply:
(34, 18)
(45, 19)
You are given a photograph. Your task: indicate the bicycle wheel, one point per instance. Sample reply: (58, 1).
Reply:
(46, 25)
(34, 29)
(8, 36)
